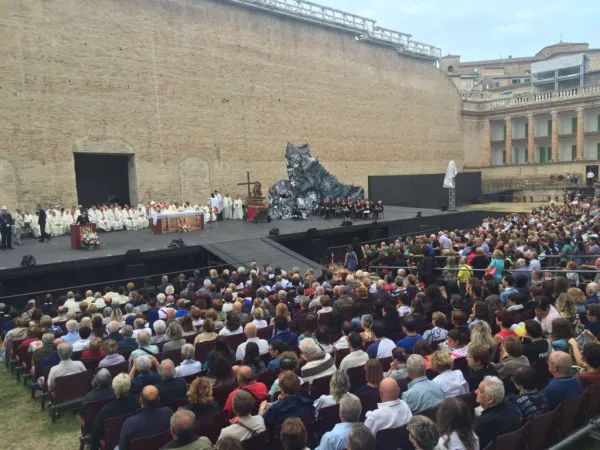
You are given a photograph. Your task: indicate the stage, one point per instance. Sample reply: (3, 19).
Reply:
(115, 243)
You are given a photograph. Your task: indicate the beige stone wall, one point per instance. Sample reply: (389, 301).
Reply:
(476, 141)
(529, 171)
(202, 91)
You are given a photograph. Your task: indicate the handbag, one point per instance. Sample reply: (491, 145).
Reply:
(493, 271)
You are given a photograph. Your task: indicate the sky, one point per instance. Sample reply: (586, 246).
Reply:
(479, 29)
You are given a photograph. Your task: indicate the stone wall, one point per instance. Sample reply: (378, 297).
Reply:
(202, 91)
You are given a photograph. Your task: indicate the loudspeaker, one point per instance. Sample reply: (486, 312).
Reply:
(176, 243)
(346, 223)
(28, 261)
(133, 257)
(274, 232)
(444, 207)
(312, 233)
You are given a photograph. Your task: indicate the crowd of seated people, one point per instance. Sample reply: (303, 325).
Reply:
(455, 365)
(344, 208)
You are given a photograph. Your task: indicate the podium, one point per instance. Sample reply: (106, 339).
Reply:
(253, 205)
(76, 231)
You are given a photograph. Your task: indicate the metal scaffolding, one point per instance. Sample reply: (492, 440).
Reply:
(334, 17)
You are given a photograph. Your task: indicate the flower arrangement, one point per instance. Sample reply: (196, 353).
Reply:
(184, 227)
(90, 240)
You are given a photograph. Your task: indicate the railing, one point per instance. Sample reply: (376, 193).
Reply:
(366, 27)
(534, 98)
(493, 186)
(456, 269)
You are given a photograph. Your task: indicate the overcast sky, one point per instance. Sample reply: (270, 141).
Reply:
(479, 29)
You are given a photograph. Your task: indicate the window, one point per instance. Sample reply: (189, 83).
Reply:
(573, 152)
(550, 128)
(527, 80)
(527, 72)
(526, 155)
(542, 154)
(450, 69)
(526, 129)
(598, 151)
(598, 124)
(504, 133)
(574, 125)
(496, 84)
(503, 156)
(516, 81)
(549, 154)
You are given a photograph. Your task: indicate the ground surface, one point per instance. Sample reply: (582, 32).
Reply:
(508, 207)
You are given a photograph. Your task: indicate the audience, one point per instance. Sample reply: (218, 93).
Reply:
(188, 366)
(289, 404)
(293, 435)
(200, 397)
(451, 381)
(392, 412)
(318, 363)
(338, 386)
(102, 389)
(423, 433)
(250, 330)
(246, 382)
(184, 437)
(382, 347)
(478, 358)
(564, 384)
(529, 402)
(246, 425)
(454, 420)
(143, 366)
(373, 375)
(66, 366)
(169, 387)
(337, 438)
(422, 394)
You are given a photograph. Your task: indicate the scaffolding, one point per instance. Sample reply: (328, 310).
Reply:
(363, 26)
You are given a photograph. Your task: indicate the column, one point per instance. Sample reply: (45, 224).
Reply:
(530, 139)
(580, 143)
(508, 140)
(554, 136)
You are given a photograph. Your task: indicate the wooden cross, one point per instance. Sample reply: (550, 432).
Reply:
(248, 183)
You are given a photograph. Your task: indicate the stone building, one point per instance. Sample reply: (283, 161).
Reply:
(170, 99)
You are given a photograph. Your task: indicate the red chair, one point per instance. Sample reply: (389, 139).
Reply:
(327, 418)
(112, 432)
(189, 339)
(304, 389)
(235, 340)
(385, 363)
(341, 354)
(92, 363)
(264, 377)
(211, 426)
(258, 442)
(69, 390)
(90, 411)
(154, 442)
(319, 386)
(368, 401)
(173, 355)
(544, 430)
(176, 404)
(572, 414)
(221, 393)
(122, 367)
(516, 439)
(593, 400)
(393, 439)
(469, 399)
(358, 378)
(265, 333)
(325, 320)
(203, 349)
(190, 378)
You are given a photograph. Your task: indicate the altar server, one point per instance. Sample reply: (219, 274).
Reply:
(227, 207)
(238, 211)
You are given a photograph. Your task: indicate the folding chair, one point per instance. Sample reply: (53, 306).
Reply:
(544, 430)
(341, 354)
(92, 363)
(176, 404)
(258, 442)
(154, 442)
(516, 439)
(202, 350)
(265, 333)
(431, 412)
(593, 400)
(69, 391)
(173, 355)
(469, 399)
(572, 414)
(369, 401)
(90, 411)
(235, 340)
(189, 379)
(393, 439)
(112, 432)
(325, 320)
(319, 386)
(221, 393)
(358, 378)
(122, 367)
(189, 339)
(211, 426)
(328, 417)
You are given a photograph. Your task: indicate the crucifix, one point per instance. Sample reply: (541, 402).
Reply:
(247, 183)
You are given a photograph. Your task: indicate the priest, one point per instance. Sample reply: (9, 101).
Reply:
(54, 223)
(69, 218)
(102, 222)
(128, 219)
(227, 207)
(238, 210)
(214, 204)
(114, 217)
(140, 217)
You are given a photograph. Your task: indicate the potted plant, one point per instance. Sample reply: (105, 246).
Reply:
(90, 240)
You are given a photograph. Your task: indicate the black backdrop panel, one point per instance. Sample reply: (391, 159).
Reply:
(423, 191)
(102, 178)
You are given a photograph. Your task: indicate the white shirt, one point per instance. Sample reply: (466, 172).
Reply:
(188, 367)
(341, 343)
(454, 443)
(226, 332)
(452, 382)
(590, 174)
(356, 358)
(63, 368)
(239, 432)
(263, 347)
(404, 310)
(392, 414)
(385, 348)
(322, 402)
(81, 344)
(260, 323)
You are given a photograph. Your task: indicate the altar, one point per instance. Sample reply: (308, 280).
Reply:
(170, 221)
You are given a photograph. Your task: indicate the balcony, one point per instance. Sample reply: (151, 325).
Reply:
(473, 103)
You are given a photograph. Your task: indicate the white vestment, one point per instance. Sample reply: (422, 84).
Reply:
(33, 224)
(238, 211)
(214, 203)
(141, 221)
(54, 223)
(227, 208)
(114, 218)
(67, 221)
(220, 202)
(92, 215)
(102, 222)
(127, 219)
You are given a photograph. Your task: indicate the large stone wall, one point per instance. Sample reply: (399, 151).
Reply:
(202, 91)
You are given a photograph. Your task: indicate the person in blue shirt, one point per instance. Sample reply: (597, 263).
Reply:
(564, 385)
(181, 311)
(529, 402)
(276, 348)
(337, 438)
(72, 335)
(593, 316)
(508, 282)
(408, 328)
(283, 333)
(152, 312)
(497, 263)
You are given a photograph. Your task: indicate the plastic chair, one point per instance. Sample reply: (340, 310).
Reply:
(221, 393)
(265, 333)
(203, 349)
(112, 432)
(234, 340)
(69, 390)
(154, 442)
(340, 354)
(369, 401)
(173, 355)
(258, 442)
(516, 439)
(572, 414)
(320, 386)
(393, 439)
(358, 378)
(328, 417)
(544, 430)
(122, 367)
(90, 411)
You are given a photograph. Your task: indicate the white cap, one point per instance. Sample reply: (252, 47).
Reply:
(3, 208)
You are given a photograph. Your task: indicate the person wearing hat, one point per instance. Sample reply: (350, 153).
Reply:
(6, 223)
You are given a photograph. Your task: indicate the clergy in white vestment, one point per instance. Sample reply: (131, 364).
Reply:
(214, 203)
(127, 218)
(92, 214)
(114, 218)
(140, 217)
(238, 210)
(32, 223)
(227, 207)
(54, 222)
(69, 218)
(102, 222)
(209, 213)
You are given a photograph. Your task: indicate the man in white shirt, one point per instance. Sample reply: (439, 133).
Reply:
(357, 356)
(445, 241)
(70, 303)
(66, 366)
(391, 412)
(247, 424)
(250, 331)
(84, 339)
(342, 343)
